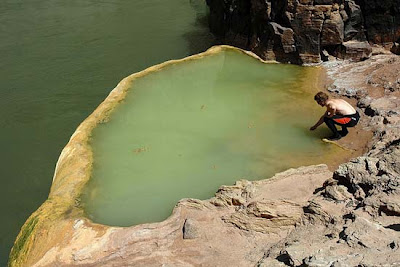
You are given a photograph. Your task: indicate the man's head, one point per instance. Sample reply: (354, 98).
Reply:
(321, 98)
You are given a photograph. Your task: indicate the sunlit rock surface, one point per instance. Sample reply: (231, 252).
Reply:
(307, 216)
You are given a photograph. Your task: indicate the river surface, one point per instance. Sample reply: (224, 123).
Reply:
(58, 61)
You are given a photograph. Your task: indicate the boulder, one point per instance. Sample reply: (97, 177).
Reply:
(354, 50)
(333, 30)
(284, 37)
(190, 229)
(307, 25)
(383, 107)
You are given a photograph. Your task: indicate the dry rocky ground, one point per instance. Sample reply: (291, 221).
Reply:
(308, 216)
(354, 219)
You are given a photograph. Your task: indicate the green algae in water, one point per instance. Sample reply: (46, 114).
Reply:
(191, 127)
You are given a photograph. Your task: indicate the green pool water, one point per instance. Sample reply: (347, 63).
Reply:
(191, 127)
(58, 60)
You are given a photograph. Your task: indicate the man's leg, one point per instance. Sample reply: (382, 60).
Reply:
(345, 122)
(344, 131)
(331, 125)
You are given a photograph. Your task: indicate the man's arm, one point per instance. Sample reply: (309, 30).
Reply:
(319, 122)
(330, 112)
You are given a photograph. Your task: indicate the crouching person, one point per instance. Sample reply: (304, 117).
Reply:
(338, 112)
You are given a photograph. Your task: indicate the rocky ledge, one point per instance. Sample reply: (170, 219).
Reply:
(308, 216)
(306, 31)
(354, 218)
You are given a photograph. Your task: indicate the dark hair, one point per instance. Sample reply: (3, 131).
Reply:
(321, 97)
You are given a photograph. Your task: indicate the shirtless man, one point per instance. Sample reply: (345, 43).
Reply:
(337, 112)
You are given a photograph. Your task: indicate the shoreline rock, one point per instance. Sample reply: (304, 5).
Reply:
(232, 229)
(306, 216)
(354, 220)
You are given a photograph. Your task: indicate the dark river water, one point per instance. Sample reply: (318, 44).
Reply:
(58, 61)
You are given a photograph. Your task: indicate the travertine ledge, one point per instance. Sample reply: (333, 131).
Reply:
(307, 216)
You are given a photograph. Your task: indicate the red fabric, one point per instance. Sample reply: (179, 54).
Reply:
(342, 120)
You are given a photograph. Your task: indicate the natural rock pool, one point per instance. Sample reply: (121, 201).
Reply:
(185, 128)
(59, 60)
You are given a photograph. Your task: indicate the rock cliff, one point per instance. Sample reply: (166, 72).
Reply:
(306, 31)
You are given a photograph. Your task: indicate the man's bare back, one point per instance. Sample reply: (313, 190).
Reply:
(338, 112)
(339, 106)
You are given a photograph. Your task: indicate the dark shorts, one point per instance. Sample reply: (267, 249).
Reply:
(346, 120)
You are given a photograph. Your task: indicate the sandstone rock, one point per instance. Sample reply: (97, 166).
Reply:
(236, 195)
(333, 30)
(347, 91)
(283, 37)
(377, 177)
(190, 229)
(359, 171)
(380, 50)
(365, 233)
(315, 212)
(337, 192)
(307, 25)
(385, 76)
(383, 106)
(196, 234)
(390, 209)
(266, 217)
(355, 50)
(364, 102)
